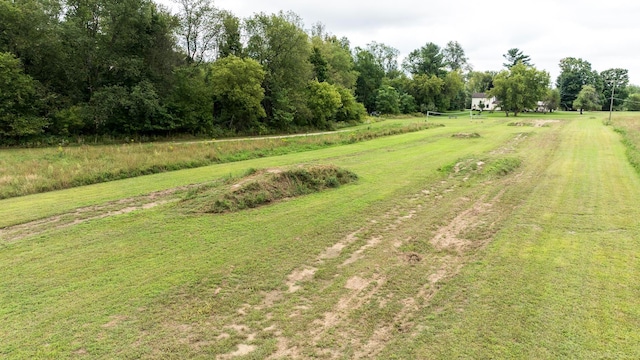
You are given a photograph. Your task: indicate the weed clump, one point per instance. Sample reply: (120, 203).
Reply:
(466, 135)
(503, 166)
(261, 187)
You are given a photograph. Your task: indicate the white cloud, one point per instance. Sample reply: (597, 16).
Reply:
(601, 32)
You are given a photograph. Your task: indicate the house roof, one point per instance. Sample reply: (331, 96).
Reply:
(479, 96)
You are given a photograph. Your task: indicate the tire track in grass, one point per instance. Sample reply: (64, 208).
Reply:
(560, 279)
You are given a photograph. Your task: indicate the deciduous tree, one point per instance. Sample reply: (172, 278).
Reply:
(614, 82)
(588, 99)
(520, 88)
(455, 58)
(574, 74)
(282, 47)
(237, 92)
(18, 101)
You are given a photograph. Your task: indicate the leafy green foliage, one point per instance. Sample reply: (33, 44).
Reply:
(370, 78)
(323, 100)
(281, 46)
(388, 100)
(633, 102)
(588, 99)
(350, 110)
(19, 113)
(237, 93)
(428, 60)
(574, 74)
(615, 82)
(520, 88)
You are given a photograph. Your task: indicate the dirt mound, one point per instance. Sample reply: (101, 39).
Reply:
(267, 186)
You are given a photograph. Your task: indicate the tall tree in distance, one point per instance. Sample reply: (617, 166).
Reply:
(369, 79)
(574, 74)
(282, 47)
(515, 56)
(385, 55)
(428, 60)
(614, 82)
(588, 99)
(520, 88)
(229, 40)
(455, 58)
(200, 27)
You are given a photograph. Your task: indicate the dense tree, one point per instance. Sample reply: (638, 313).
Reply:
(19, 113)
(388, 100)
(574, 74)
(455, 58)
(428, 60)
(426, 89)
(588, 99)
(332, 61)
(369, 79)
(515, 56)
(191, 101)
(280, 45)
(520, 88)
(633, 102)
(324, 100)
(615, 82)
(229, 41)
(320, 65)
(407, 104)
(385, 55)
(552, 100)
(237, 93)
(453, 95)
(30, 30)
(633, 89)
(350, 109)
(480, 81)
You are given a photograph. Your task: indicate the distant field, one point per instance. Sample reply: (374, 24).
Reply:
(492, 238)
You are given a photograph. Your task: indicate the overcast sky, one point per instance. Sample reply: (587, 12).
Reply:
(605, 33)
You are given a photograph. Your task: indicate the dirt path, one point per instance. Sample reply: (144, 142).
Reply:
(84, 214)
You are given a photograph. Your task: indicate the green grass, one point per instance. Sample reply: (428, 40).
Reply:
(515, 244)
(629, 128)
(558, 281)
(29, 171)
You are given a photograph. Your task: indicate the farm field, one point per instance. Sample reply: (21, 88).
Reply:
(472, 240)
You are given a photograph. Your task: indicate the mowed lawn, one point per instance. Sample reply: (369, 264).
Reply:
(561, 280)
(418, 259)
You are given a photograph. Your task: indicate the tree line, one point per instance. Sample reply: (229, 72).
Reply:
(132, 68)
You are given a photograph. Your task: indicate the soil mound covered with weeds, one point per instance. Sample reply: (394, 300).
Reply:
(261, 187)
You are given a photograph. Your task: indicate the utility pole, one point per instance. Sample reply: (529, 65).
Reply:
(613, 90)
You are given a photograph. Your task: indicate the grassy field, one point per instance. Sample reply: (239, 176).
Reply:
(29, 171)
(519, 243)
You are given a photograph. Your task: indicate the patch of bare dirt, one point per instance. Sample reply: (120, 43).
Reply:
(334, 251)
(243, 349)
(511, 145)
(84, 214)
(115, 321)
(358, 254)
(300, 275)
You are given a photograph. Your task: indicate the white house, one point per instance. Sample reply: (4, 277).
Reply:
(480, 101)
